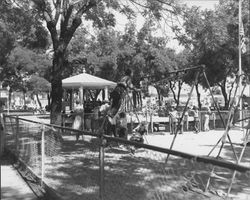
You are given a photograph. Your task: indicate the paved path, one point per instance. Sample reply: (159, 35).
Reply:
(197, 144)
(13, 187)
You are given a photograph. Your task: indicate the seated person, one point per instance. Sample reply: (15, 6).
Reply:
(105, 106)
(111, 126)
(95, 119)
(248, 125)
(122, 125)
(138, 132)
(141, 128)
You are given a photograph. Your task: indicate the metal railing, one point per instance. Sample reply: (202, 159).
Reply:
(98, 167)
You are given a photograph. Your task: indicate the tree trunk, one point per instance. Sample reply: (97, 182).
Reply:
(159, 97)
(172, 85)
(68, 26)
(198, 95)
(38, 101)
(56, 84)
(9, 98)
(224, 93)
(180, 83)
(48, 97)
(24, 102)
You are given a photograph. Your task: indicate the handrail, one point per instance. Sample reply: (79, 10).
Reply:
(205, 159)
(55, 126)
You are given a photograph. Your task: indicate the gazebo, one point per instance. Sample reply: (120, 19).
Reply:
(85, 82)
(87, 85)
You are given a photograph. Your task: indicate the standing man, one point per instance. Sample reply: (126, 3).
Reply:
(206, 117)
(173, 120)
(196, 119)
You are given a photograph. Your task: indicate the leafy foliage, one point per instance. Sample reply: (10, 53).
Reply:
(37, 84)
(24, 25)
(20, 31)
(63, 18)
(22, 64)
(212, 37)
(6, 45)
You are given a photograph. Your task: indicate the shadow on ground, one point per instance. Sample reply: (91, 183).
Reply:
(74, 174)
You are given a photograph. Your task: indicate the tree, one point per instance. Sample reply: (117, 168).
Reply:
(23, 26)
(21, 65)
(64, 17)
(212, 38)
(153, 58)
(6, 45)
(180, 62)
(20, 31)
(110, 52)
(38, 85)
(62, 20)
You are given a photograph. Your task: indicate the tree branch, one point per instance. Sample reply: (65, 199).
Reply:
(77, 20)
(53, 32)
(67, 17)
(139, 4)
(58, 10)
(85, 8)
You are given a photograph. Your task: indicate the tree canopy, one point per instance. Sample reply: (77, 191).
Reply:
(82, 34)
(212, 37)
(64, 17)
(23, 39)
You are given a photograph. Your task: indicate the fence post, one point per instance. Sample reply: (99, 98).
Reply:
(200, 120)
(17, 136)
(42, 155)
(214, 119)
(131, 122)
(151, 122)
(187, 121)
(101, 166)
(2, 132)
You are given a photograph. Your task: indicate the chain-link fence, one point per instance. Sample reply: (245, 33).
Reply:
(108, 168)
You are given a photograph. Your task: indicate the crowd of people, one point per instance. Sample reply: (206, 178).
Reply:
(198, 124)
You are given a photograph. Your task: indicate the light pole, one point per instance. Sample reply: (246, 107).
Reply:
(8, 99)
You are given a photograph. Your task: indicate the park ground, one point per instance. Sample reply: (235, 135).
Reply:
(144, 175)
(73, 173)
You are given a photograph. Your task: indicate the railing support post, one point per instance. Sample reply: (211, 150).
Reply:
(3, 133)
(17, 136)
(101, 165)
(42, 155)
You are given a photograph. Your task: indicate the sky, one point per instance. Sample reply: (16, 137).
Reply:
(203, 4)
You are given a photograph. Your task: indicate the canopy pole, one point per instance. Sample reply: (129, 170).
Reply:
(71, 99)
(106, 93)
(81, 95)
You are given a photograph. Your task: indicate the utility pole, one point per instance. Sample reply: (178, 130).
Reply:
(240, 68)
